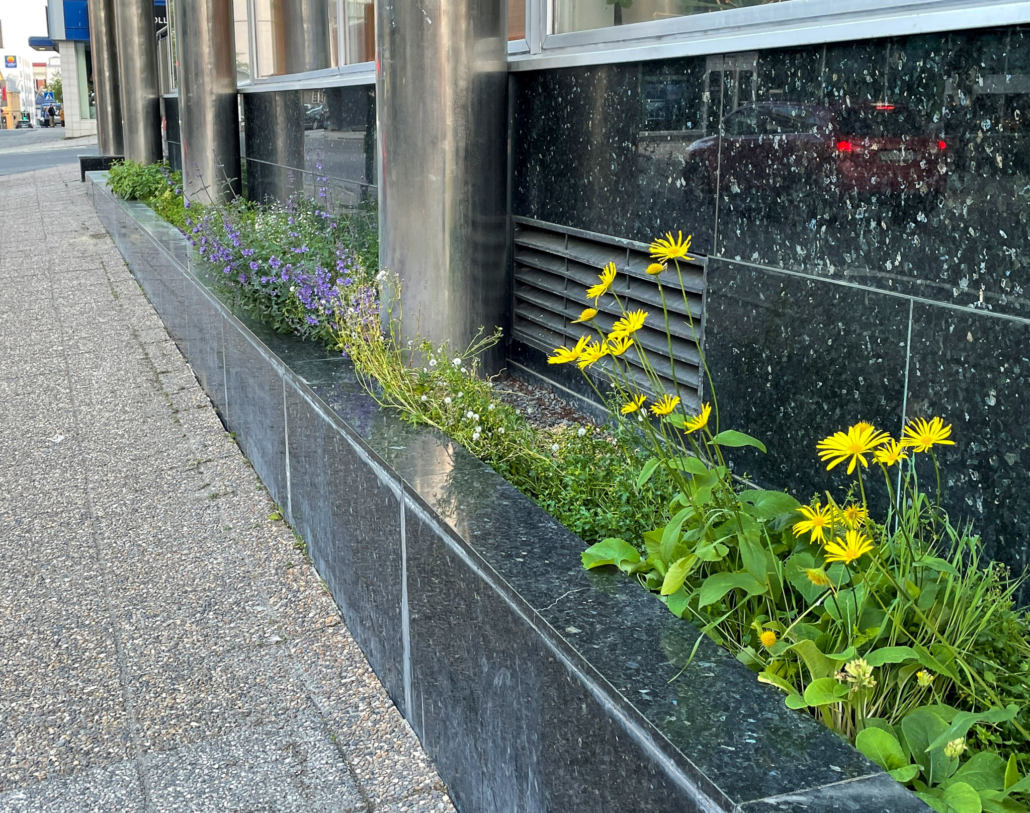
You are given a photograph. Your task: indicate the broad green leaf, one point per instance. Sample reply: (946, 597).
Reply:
(840, 657)
(677, 602)
(882, 748)
(735, 439)
(671, 534)
(678, 573)
(995, 802)
(756, 559)
(769, 504)
(983, 771)
(905, 774)
(647, 472)
(1011, 771)
(961, 798)
(719, 584)
(1022, 786)
(796, 570)
(890, 654)
(846, 606)
(819, 666)
(693, 465)
(920, 728)
(880, 723)
(934, 802)
(965, 720)
(796, 702)
(610, 552)
(824, 691)
(775, 680)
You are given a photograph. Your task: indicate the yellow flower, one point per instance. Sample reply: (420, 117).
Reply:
(591, 353)
(922, 434)
(768, 638)
(699, 421)
(634, 405)
(859, 441)
(859, 674)
(607, 278)
(665, 404)
(924, 678)
(890, 453)
(586, 316)
(818, 577)
(628, 324)
(562, 355)
(619, 345)
(817, 520)
(669, 248)
(854, 516)
(655, 268)
(854, 547)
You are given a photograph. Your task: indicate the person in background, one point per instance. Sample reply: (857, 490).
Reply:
(52, 115)
(43, 118)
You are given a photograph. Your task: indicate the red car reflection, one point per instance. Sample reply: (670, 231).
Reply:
(873, 148)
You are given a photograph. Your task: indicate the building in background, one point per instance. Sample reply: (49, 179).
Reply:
(17, 91)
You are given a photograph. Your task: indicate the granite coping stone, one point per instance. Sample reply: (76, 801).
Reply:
(713, 730)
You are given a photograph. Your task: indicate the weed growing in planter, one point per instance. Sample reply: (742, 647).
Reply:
(882, 630)
(153, 184)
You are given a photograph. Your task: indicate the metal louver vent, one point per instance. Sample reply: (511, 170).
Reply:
(555, 265)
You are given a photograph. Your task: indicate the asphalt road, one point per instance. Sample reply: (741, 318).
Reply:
(41, 148)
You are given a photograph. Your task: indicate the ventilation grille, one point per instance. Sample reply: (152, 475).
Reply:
(553, 268)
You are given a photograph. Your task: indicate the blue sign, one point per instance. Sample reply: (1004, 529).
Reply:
(48, 97)
(10, 62)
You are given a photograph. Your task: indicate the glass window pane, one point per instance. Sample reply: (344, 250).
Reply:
(242, 37)
(295, 36)
(271, 39)
(516, 20)
(582, 15)
(361, 31)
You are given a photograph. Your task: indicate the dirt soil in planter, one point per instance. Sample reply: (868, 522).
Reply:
(539, 404)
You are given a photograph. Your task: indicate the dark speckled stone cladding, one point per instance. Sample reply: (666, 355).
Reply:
(865, 208)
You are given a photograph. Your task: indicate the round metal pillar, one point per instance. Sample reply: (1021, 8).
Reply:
(106, 84)
(208, 106)
(137, 71)
(441, 97)
(306, 24)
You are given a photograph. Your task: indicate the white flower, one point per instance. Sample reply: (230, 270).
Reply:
(500, 430)
(470, 414)
(475, 436)
(478, 430)
(432, 362)
(464, 369)
(492, 407)
(475, 416)
(554, 448)
(447, 400)
(456, 362)
(293, 288)
(425, 397)
(460, 394)
(582, 431)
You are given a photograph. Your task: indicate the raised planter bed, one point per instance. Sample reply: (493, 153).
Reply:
(532, 684)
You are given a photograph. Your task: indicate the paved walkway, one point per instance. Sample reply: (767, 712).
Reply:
(163, 645)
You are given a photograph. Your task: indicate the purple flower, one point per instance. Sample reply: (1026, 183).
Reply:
(254, 266)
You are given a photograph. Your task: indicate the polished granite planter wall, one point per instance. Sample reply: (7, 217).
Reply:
(311, 141)
(839, 287)
(533, 685)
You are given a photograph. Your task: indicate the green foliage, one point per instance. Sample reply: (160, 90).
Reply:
(56, 86)
(153, 184)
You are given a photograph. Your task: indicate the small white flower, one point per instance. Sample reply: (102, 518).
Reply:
(475, 437)
(432, 362)
(582, 431)
(464, 369)
(475, 416)
(479, 430)
(293, 288)
(492, 407)
(470, 414)
(460, 394)
(518, 411)
(447, 400)
(554, 448)
(425, 398)
(500, 430)
(425, 369)
(456, 362)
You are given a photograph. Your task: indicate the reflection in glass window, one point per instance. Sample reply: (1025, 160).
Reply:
(516, 20)
(270, 36)
(173, 47)
(361, 31)
(583, 15)
(242, 36)
(295, 36)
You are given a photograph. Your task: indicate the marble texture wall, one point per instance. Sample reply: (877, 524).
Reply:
(864, 208)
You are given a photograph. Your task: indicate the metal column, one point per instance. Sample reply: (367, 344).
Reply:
(208, 106)
(106, 85)
(137, 69)
(441, 95)
(306, 35)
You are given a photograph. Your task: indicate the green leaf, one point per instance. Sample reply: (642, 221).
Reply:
(934, 802)
(1011, 771)
(678, 573)
(819, 666)
(882, 748)
(671, 534)
(736, 439)
(961, 798)
(610, 552)
(983, 771)
(905, 774)
(768, 504)
(693, 465)
(846, 606)
(773, 679)
(824, 691)
(796, 702)
(920, 728)
(1022, 786)
(678, 602)
(995, 802)
(647, 472)
(275, 515)
(890, 654)
(965, 720)
(719, 584)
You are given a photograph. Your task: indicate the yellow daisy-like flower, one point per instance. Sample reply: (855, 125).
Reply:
(665, 404)
(768, 638)
(668, 248)
(628, 324)
(607, 278)
(860, 440)
(817, 521)
(562, 355)
(655, 268)
(591, 353)
(619, 344)
(890, 454)
(699, 421)
(818, 577)
(854, 516)
(921, 434)
(854, 547)
(634, 405)
(924, 678)
(586, 316)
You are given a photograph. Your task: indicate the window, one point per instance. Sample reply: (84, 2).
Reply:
(516, 20)
(295, 36)
(241, 34)
(583, 15)
(361, 31)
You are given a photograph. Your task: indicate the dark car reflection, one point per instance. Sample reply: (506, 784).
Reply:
(864, 149)
(315, 116)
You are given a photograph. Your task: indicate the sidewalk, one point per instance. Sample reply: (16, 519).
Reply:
(163, 644)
